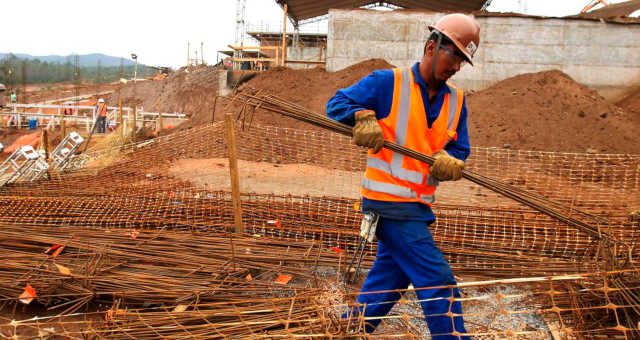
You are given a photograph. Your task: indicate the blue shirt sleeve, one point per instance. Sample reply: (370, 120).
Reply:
(373, 92)
(460, 148)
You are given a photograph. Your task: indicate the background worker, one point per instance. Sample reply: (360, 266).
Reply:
(101, 109)
(416, 108)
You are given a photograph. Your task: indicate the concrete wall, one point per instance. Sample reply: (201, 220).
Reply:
(305, 53)
(605, 56)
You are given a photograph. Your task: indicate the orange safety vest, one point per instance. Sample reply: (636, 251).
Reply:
(391, 176)
(102, 109)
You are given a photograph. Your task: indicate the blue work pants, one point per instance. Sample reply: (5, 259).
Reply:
(408, 254)
(101, 124)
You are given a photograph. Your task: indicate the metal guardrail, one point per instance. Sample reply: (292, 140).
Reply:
(84, 114)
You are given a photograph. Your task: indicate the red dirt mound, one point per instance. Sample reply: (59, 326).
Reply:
(550, 111)
(313, 87)
(631, 103)
(310, 88)
(32, 139)
(189, 90)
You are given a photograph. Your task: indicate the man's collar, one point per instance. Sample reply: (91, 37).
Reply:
(417, 78)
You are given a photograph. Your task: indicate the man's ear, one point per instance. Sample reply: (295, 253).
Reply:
(428, 48)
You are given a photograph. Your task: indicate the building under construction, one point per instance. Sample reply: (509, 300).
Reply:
(239, 217)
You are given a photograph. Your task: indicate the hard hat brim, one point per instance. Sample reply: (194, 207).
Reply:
(456, 43)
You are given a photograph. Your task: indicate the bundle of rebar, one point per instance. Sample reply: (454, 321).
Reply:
(581, 305)
(155, 267)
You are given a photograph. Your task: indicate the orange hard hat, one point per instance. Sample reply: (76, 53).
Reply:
(463, 30)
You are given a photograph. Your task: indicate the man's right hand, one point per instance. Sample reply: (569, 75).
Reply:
(367, 131)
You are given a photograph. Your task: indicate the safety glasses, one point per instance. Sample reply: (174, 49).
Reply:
(454, 56)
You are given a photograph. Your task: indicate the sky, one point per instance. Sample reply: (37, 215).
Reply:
(158, 31)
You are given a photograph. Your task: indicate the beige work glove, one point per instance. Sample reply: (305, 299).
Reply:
(445, 167)
(367, 131)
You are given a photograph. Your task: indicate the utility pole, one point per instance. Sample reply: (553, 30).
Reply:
(240, 7)
(76, 84)
(135, 67)
(284, 36)
(24, 81)
(99, 74)
(201, 52)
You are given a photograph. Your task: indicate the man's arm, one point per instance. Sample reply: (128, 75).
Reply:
(460, 148)
(373, 92)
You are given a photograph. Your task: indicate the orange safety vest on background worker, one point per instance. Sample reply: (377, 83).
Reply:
(391, 176)
(102, 109)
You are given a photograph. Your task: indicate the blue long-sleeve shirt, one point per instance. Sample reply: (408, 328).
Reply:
(375, 92)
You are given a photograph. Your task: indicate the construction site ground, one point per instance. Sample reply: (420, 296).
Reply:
(535, 131)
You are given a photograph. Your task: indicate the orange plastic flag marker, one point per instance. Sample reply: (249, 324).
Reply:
(57, 252)
(276, 222)
(134, 234)
(62, 269)
(336, 250)
(249, 277)
(52, 248)
(356, 205)
(28, 295)
(283, 279)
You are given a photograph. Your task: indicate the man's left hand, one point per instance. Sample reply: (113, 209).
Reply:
(445, 167)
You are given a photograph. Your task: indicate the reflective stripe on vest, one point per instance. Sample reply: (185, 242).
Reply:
(395, 190)
(394, 168)
(102, 110)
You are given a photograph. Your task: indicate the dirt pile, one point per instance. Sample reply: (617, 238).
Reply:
(550, 111)
(538, 111)
(313, 87)
(631, 102)
(189, 90)
(310, 88)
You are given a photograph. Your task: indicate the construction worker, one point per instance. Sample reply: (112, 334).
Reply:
(416, 108)
(101, 109)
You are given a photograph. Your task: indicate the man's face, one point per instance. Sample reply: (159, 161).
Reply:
(449, 60)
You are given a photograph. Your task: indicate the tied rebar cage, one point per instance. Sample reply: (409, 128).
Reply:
(147, 253)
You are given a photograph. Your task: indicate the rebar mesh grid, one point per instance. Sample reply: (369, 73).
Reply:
(163, 183)
(179, 183)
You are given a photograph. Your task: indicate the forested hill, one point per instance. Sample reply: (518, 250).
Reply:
(53, 69)
(83, 59)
